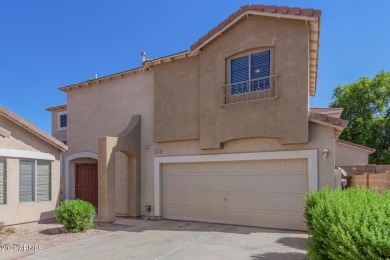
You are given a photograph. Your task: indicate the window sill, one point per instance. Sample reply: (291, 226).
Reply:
(42, 201)
(251, 101)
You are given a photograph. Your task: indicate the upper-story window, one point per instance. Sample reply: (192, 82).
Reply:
(62, 120)
(250, 77)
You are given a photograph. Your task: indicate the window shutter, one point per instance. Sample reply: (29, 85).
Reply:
(239, 72)
(260, 68)
(3, 182)
(43, 181)
(26, 181)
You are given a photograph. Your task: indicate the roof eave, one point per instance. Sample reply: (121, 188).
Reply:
(104, 79)
(236, 20)
(54, 108)
(367, 150)
(32, 129)
(63, 148)
(340, 128)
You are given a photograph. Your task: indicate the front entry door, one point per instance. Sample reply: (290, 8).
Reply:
(87, 183)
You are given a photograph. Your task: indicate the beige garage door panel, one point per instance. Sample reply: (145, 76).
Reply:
(259, 193)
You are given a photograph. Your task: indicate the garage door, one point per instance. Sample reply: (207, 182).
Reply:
(255, 193)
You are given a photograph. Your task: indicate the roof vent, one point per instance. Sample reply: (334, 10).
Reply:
(143, 56)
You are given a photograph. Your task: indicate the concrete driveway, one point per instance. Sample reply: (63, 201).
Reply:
(183, 240)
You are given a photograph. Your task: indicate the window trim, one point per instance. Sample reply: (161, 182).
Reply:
(5, 186)
(35, 177)
(59, 114)
(248, 53)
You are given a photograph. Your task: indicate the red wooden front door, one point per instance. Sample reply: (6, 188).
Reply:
(87, 183)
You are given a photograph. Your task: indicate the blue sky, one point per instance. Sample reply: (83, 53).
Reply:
(46, 44)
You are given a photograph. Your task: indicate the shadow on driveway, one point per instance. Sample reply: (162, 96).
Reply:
(279, 256)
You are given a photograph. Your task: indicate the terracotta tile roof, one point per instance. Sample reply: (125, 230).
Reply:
(32, 129)
(329, 120)
(54, 108)
(328, 111)
(93, 82)
(267, 9)
(358, 146)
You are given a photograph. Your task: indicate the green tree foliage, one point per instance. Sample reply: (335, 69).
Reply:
(366, 107)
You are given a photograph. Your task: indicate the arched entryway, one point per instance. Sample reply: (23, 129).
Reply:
(81, 173)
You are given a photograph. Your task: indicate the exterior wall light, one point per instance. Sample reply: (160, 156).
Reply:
(325, 154)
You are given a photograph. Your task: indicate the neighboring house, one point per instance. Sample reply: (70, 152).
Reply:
(347, 153)
(59, 122)
(219, 133)
(351, 154)
(29, 170)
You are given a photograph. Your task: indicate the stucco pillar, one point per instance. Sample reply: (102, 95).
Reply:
(106, 180)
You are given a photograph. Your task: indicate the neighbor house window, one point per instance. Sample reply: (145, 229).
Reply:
(3, 182)
(34, 181)
(250, 72)
(62, 120)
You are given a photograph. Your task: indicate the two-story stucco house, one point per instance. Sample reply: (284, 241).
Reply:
(220, 133)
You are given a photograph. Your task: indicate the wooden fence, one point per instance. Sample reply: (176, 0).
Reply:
(370, 176)
(379, 181)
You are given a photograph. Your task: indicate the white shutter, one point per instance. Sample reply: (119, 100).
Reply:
(43, 181)
(26, 181)
(3, 182)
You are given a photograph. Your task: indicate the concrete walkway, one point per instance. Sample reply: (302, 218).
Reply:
(183, 240)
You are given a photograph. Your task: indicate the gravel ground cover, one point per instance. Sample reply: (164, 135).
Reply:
(50, 234)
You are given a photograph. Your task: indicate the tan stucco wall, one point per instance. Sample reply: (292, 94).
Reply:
(321, 137)
(106, 110)
(121, 183)
(349, 156)
(60, 135)
(15, 212)
(176, 103)
(284, 117)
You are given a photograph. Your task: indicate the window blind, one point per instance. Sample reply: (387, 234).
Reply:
(249, 68)
(3, 182)
(26, 181)
(260, 68)
(239, 72)
(43, 181)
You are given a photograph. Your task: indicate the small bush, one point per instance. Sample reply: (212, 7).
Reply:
(75, 215)
(6, 230)
(348, 224)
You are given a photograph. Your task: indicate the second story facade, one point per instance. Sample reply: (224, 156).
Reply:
(251, 76)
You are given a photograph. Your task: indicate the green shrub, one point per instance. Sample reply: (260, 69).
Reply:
(348, 224)
(75, 215)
